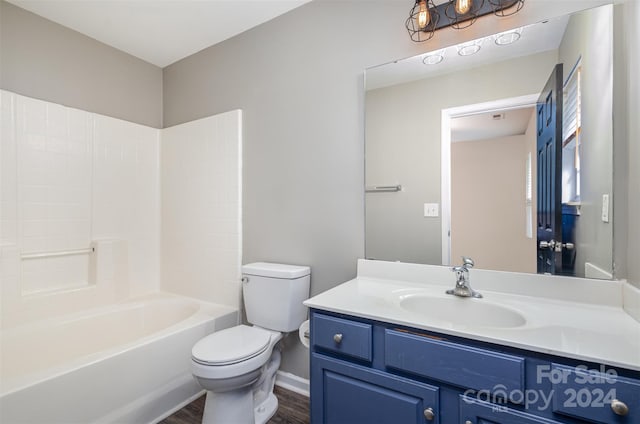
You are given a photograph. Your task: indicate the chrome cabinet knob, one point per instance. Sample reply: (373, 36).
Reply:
(337, 338)
(619, 407)
(429, 414)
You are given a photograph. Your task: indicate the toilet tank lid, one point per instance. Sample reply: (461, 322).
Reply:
(265, 269)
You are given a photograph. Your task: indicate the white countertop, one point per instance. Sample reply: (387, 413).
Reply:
(590, 326)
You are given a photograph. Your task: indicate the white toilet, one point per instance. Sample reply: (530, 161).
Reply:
(237, 366)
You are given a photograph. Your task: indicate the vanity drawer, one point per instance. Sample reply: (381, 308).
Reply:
(342, 336)
(453, 363)
(593, 395)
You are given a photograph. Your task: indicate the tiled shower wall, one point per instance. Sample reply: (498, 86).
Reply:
(53, 197)
(201, 208)
(126, 196)
(72, 179)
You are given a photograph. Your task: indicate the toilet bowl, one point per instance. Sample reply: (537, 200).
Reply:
(237, 366)
(228, 364)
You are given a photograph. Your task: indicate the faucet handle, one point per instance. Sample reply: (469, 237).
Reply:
(462, 288)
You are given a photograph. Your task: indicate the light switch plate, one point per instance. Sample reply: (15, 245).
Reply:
(605, 208)
(431, 210)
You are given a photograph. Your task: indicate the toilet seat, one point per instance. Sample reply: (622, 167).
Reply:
(230, 346)
(233, 352)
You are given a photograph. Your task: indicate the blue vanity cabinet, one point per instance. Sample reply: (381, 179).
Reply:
(351, 394)
(365, 371)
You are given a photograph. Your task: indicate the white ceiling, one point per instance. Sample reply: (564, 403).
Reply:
(484, 126)
(159, 31)
(535, 38)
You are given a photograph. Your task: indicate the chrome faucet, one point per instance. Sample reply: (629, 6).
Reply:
(463, 288)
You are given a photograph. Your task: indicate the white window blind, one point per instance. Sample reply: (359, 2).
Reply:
(571, 142)
(571, 113)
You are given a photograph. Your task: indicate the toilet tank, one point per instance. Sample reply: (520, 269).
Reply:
(273, 295)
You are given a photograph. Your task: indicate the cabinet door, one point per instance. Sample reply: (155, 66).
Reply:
(351, 394)
(474, 411)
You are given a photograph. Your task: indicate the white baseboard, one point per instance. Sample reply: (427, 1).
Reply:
(292, 382)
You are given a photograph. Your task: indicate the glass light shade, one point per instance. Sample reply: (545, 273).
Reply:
(463, 6)
(422, 19)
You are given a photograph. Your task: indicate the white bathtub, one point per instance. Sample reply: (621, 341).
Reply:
(126, 363)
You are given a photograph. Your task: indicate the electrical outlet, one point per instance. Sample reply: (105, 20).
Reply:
(431, 210)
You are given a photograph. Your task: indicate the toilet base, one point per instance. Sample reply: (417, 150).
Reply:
(266, 410)
(235, 407)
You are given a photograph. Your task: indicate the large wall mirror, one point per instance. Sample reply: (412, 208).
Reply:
(504, 155)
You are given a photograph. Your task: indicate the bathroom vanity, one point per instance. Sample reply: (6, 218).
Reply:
(391, 347)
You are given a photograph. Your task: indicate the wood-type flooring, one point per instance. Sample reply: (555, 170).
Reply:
(293, 408)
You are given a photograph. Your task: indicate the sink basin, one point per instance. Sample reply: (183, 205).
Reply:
(463, 311)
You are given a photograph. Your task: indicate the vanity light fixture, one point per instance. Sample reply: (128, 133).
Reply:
(508, 37)
(425, 17)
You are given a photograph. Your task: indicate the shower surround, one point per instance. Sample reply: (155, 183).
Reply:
(89, 206)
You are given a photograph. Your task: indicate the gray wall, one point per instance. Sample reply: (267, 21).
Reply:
(298, 80)
(404, 147)
(633, 227)
(44, 60)
(629, 156)
(626, 147)
(588, 36)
